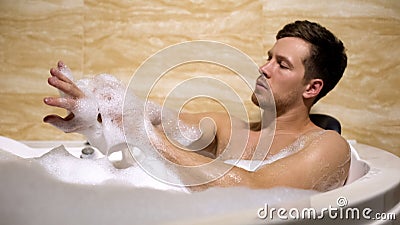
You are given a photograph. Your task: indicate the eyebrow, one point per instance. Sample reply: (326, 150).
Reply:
(281, 58)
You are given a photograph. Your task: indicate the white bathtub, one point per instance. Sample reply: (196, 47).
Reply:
(29, 195)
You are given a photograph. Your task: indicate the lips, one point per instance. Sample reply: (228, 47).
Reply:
(262, 82)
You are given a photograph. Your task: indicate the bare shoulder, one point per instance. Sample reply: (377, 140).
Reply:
(331, 158)
(330, 143)
(329, 147)
(322, 165)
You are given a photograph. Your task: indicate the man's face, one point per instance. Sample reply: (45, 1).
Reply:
(284, 72)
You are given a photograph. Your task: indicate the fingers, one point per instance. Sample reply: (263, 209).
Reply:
(55, 119)
(65, 103)
(61, 82)
(57, 73)
(61, 123)
(60, 64)
(65, 70)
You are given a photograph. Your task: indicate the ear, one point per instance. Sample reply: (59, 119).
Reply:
(313, 88)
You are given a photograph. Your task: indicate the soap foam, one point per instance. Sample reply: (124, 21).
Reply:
(297, 145)
(27, 184)
(100, 172)
(67, 168)
(112, 119)
(105, 96)
(70, 169)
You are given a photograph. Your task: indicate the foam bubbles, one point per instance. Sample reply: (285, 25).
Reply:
(66, 72)
(25, 183)
(177, 130)
(296, 146)
(67, 168)
(101, 117)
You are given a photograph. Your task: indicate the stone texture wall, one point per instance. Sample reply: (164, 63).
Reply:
(117, 36)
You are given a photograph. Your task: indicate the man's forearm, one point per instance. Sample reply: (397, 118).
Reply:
(199, 172)
(173, 127)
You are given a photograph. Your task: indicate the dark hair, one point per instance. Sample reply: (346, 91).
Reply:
(327, 59)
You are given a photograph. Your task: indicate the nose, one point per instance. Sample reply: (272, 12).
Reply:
(265, 70)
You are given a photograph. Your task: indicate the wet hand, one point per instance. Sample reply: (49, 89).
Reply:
(60, 81)
(70, 94)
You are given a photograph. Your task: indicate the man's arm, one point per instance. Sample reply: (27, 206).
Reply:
(321, 166)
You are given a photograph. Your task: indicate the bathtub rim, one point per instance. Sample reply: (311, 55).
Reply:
(377, 160)
(380, 199)
(378, 190)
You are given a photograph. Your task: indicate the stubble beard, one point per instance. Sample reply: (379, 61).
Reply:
(282, 103)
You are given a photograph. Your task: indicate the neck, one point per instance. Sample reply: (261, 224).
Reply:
(294, 121)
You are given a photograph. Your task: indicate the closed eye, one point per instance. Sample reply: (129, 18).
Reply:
(282, 65)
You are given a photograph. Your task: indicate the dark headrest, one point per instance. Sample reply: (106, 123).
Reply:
(326, 122)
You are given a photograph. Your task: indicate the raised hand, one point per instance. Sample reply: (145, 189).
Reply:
(70, 95)
(94, 105)
(61, 79)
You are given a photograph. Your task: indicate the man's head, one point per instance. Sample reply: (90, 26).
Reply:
(327, 59)
(322, 60)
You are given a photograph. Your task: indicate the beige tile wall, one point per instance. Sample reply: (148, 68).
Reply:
(117, 36)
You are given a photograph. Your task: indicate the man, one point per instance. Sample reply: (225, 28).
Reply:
(305, 63)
